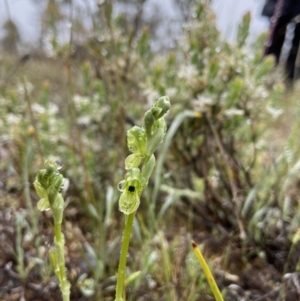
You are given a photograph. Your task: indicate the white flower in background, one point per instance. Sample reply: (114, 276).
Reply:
(223, 97)
(21, 88)
(275, 113)
(52, 122)
(151, 95)
(80, 101)
(121, 63)
(202, 103)
(12, 119)
(99, 113)
(234, 112)
(53, 109)
(171, 92)
(214, 181)
(194, 24)
(183, 42)
(84, 120)
(188, 73)
(261, 92)
(260, 144)
(151, 282)
(48, 45)
(37, 108)
(247, 53)
(105, 109)
(251, 85)
(96, 97)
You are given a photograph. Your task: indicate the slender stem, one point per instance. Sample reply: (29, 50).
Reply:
(210, 278)
(59, 245)
(20, 252)
(57, 232)
(26, 185)
(123, 257)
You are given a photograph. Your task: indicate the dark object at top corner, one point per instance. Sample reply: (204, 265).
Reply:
(269, 8)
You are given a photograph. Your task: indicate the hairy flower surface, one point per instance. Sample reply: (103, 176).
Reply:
(136, 141)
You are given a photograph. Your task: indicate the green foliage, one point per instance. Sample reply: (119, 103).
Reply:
(243, 29)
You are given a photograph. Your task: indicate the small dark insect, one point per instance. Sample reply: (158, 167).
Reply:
(131, 188)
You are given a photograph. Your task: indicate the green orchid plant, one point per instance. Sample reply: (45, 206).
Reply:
(48, 184)
(141, 142)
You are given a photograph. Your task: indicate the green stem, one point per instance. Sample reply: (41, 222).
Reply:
(57, 231)
(26, 185)
(123, 257)
(62, 277)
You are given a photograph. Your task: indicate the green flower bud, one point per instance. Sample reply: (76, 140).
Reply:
(40, 190)
(164, 104)
(43, 178)
(147, 171)
(43, 204)
(159, 109)
(51, 166)
(156, 111)
(131, 175)
(136, 141)
(48, 184)
(54, 188)
(160, 123)
(155, 140)
(58, 208)
(132, 161)
(149, 120)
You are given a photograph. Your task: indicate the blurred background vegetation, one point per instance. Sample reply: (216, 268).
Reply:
(227, 174)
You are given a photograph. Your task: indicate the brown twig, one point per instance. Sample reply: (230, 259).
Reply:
(230, 164)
